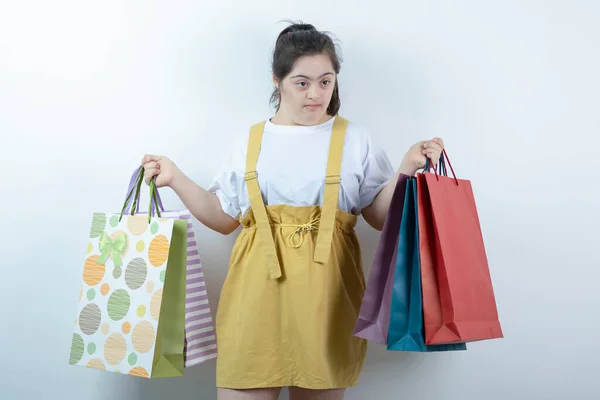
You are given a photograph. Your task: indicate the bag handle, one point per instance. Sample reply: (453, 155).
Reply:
(154, 199)
(441, 166)
(133, 196)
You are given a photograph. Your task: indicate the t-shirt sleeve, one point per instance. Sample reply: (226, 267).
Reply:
(225, 186)
(377, 172)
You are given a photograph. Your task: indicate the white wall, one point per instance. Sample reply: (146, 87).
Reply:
(86, 88)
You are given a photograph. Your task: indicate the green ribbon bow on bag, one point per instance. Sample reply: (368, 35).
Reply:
(115, 247)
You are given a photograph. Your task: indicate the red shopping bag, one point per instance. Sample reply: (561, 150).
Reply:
(458, 297)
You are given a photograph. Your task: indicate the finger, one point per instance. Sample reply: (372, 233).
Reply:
(432, 153)
(433, 156)
(430, 144)
(150, 157)
(150, 173)
(433, 145)
(152, 165)
(439, 141)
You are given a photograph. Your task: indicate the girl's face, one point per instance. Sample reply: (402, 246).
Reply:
(306, 91)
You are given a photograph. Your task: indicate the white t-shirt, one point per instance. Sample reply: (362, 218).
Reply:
(292, 164)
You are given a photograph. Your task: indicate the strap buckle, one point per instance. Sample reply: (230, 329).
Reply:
(248, 176)
(333, 179)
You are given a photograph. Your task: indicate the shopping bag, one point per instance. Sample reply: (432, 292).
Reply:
(131, 309)
(200, 340)
(406, 329)
(458, 297)
(374, 316)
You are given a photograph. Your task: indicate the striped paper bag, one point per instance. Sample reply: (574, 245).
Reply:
(200, 339)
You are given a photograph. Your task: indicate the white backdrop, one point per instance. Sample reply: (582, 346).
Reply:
(86, 88)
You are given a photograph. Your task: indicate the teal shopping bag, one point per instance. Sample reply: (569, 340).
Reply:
(406, 329)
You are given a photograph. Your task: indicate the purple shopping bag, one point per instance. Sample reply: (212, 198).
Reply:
(374, 317)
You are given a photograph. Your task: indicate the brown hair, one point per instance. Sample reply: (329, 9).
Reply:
(298, 40)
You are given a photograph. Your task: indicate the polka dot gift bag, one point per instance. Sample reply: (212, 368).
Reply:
(200, 340)
(131, 314)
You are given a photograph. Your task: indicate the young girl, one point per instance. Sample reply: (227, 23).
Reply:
(296, 183)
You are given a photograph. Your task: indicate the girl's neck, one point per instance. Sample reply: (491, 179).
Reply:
(282, 118)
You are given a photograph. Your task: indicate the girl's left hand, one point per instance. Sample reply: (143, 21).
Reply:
(417, 155)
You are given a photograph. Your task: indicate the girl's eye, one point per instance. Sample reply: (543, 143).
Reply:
(302, 84)
(326, 82)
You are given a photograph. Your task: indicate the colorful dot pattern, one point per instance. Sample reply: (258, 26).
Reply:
(117, 317)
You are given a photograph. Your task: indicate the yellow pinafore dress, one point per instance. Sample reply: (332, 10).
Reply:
(293, 289)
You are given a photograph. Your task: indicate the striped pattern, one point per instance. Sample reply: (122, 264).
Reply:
(200, 339)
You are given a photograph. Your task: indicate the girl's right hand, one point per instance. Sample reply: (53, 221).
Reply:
(161, 167)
